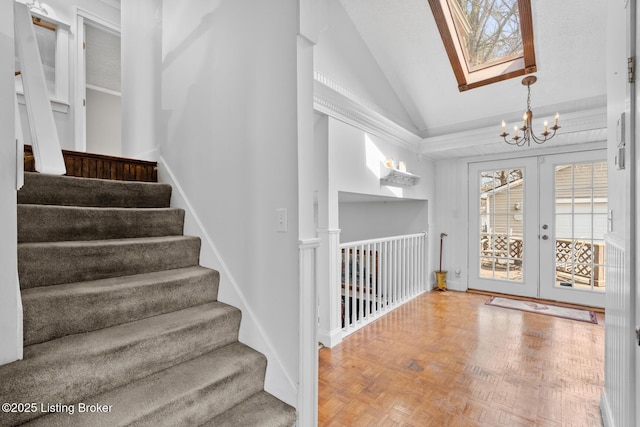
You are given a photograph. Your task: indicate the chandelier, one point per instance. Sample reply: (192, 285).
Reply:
(527, 118)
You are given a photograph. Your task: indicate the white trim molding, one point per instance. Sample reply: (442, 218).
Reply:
(57, 106)
(329, 328)
(308, 387)
(336, 101)
(576, 128)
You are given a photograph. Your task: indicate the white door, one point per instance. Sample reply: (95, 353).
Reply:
(503, 225)
(573, 222)
(537, 225)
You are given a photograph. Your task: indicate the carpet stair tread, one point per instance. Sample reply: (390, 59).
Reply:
(260, 410)
(52, 263)
(72, 367)
(54, 311)
(118, 312)
(50, 223)
(71, 191)
(186, 394)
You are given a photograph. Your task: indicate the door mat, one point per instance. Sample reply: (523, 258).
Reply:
(549, 310)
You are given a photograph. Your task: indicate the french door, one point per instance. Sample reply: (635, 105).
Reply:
(503, 226)
(537, 225)
(574, 208)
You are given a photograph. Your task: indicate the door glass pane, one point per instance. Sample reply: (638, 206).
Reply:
(580, 224)
(501, 216)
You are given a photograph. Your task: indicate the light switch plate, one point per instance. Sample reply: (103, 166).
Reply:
(282, 221)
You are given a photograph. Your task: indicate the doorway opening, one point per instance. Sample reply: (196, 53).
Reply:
(99, 75)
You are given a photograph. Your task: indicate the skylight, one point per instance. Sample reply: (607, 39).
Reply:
(486, 40)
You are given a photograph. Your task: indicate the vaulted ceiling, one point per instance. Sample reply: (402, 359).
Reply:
(570, 47)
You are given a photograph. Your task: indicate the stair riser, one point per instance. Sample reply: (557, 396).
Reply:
(262, 410)
(43, 264)
(200, 406)
(55, 311)
(215, 382)
(69, 191)
(70, 376)
(39, 223)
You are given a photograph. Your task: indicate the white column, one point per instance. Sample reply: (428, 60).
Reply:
(308, 243)
(308, 388)
(10, 302)
(330, 323)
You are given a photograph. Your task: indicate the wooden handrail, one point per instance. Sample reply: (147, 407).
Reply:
(44, 24)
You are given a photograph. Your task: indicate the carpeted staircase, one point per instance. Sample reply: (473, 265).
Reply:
(118, 313)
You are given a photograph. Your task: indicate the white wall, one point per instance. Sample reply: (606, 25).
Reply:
(142, 70)
(228, 140)
(355, 166)
(10, 310)
(376, 219)
(342, 55)
(103, 123)
(451, 214)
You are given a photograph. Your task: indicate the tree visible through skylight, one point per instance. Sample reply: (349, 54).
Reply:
(489, 30)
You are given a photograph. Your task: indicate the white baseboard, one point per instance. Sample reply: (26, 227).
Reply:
(330, 338)
(605, 411)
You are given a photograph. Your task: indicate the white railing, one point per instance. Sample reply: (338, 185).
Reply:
(44, 134)
(379, 275)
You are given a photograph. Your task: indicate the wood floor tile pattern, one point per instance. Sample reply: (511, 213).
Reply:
(446, 359)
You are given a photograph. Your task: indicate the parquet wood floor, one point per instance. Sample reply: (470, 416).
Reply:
(446, 359)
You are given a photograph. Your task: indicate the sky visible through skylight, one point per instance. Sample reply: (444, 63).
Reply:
(489, 30)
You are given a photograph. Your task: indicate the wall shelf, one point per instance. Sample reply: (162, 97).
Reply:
(396, 178)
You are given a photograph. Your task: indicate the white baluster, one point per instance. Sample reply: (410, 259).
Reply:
(380, 275)
(367, 281)
(345, 267)
(360, 304)
(385, 276)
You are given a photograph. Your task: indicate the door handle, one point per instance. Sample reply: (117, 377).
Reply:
(545, 226)
(545, 237)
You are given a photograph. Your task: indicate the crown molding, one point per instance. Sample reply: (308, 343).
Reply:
(112, 3)
(591, 103)
(336, 101)
(576, 128)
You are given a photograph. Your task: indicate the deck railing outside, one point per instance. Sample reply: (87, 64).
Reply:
(379, 275)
